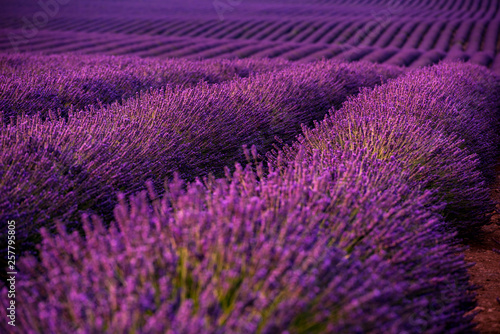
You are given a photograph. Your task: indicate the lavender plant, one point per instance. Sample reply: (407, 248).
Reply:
(350, 229)
(471, 111)
(74, 166)
(40, 84)
(313, 248)
(395, 121)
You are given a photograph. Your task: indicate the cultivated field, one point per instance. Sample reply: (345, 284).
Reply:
(246, 166)
(409, 33)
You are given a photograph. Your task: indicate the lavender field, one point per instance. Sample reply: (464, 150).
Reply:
(243, 166)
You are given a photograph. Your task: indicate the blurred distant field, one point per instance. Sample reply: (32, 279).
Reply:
(249, 166)
(407, 33)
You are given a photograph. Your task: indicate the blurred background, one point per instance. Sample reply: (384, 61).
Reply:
(407, 33)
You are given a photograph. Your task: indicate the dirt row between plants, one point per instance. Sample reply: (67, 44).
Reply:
(486, 273)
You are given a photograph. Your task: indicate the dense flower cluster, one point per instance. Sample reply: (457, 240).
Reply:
(57, 169)
(42, 84)
(308, 250)
(441, 122)
(343, 232)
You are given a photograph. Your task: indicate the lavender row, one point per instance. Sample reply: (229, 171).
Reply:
(340, 239)
(38, 84)
(59, 169)
(440, 122)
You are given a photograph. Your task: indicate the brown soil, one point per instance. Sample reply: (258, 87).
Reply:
(486, 272)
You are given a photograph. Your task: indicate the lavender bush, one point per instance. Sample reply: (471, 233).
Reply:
(58, 169)
(350, 229)
(314, 248)
(471, 111)
(40, 84)
(401, 121)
